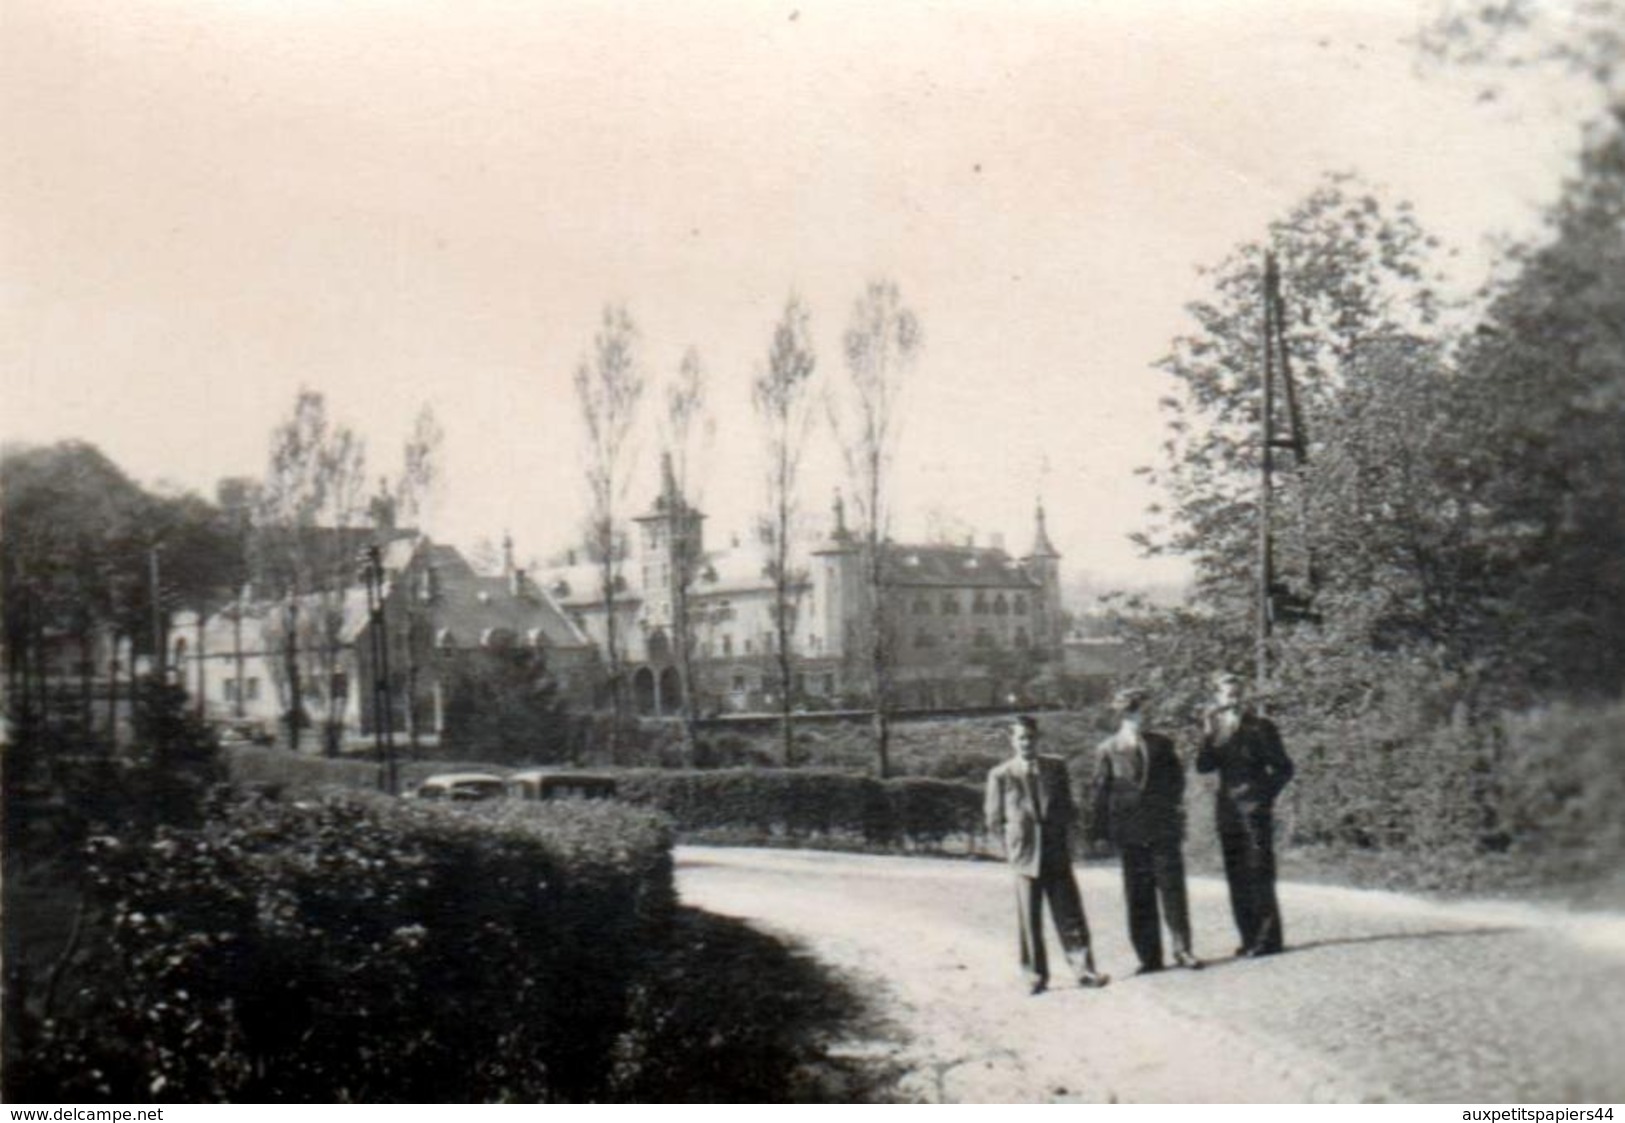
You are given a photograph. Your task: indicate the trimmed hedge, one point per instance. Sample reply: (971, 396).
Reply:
(357, 948)
(807, 805)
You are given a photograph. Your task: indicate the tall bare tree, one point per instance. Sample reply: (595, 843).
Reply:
(783, 404)
(687, 430)
(308, 530)
(420, 470)
(609, 387)
(881, 343)
(420, 467)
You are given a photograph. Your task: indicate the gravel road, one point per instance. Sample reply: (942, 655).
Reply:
(1380, 997)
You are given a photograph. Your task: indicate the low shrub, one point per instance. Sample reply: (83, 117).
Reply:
(356, 948)
(1561, 789)
(808, 805)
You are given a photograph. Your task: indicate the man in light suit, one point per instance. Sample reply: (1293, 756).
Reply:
(1245, 749)
(1139, 793)
(1029, 803)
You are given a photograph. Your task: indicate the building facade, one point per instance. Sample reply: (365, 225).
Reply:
(965, 625)
(438, 614)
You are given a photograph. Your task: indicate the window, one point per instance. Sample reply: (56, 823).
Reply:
(923, 638)
(750, 647)
(228, 689)
(829, 684)
(1021, 637)
(922, 606)
(739, 684)
(253, 689)
(727, 645)
(984, 638)
(979, 607)
(1021, 606)
(950, 604)
(1000, 606)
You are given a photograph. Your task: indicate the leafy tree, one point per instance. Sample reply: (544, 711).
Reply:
(1355, 296)
(687, 431)
(881, 343)
(309, 527)
(780, 396)
(609, 388)
(1541, 464)
(502, 705)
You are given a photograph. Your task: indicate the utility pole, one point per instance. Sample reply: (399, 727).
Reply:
(1266, 490)
(290, 651)
(156, 593)
(1277, 362)
(383, 733)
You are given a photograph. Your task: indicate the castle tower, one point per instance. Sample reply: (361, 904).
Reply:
(671, 541)
(1043, 561)
(838, 588)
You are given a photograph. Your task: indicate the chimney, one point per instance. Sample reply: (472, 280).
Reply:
(517, 585)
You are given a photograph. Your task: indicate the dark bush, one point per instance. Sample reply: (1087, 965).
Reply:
(1561, 789)
(357, 949)
(806, 805)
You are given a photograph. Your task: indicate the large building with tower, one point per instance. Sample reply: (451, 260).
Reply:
(967, 624)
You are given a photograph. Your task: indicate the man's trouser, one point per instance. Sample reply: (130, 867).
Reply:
(1056, 884)
(1248, 843)
(1150, 870)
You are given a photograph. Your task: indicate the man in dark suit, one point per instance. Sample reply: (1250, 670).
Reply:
(1029, 803)
(1245, 750)
(1139, 792)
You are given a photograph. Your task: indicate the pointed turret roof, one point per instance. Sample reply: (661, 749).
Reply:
(1042, 546)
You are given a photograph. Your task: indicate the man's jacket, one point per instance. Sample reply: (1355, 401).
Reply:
(1032, 810)
(1252, 765)
(1139, 791)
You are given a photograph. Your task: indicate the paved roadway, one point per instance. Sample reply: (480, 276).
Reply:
(1380, 997)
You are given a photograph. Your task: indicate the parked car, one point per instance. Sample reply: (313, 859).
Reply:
(462, 786)
(244, 731)
(545, 783)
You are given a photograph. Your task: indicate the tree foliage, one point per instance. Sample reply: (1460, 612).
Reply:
(781, 397)
(310, 510)
(609, 389)
(882, 341)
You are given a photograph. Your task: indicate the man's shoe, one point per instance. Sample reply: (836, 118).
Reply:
(1037, 986)
(1148, 969)
(1093, 979)
(1262, 950)
(1188, 961)
(1243, 951)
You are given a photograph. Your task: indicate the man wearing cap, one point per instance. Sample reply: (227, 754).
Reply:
(1245, 749)
(1139, 792)
(1029, 803)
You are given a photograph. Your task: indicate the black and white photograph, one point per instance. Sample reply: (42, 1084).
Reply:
(820, 552)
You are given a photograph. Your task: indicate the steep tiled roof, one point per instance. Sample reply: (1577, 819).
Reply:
(469, 607)
(955, 567)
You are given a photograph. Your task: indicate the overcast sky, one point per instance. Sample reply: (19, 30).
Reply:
(206, 205)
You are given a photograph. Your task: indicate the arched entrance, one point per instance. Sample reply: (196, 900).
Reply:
(659, 646)
(671, 691)
(643, 691)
